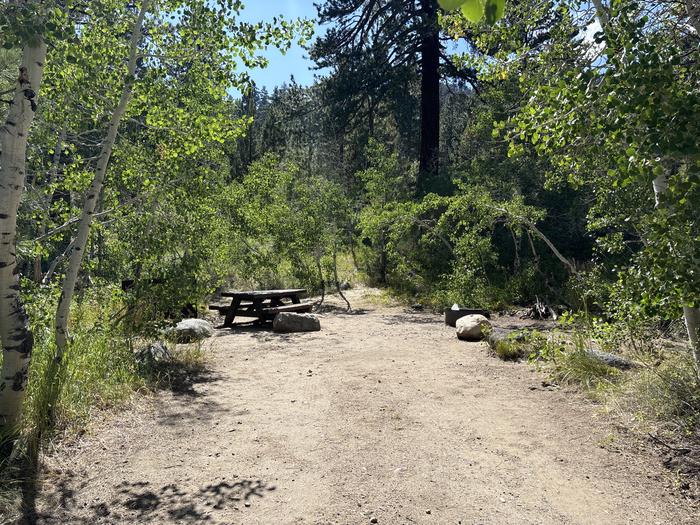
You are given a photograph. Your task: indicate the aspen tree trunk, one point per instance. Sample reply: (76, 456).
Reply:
(692, 324)
(15, 334)
(337, 280)
(81, 238)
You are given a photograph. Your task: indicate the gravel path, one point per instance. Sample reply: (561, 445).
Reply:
(383, 417)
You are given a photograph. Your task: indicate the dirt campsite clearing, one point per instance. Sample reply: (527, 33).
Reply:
(382, 417)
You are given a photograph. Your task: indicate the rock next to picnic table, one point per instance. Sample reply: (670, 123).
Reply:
(290, 322)
(191, 331)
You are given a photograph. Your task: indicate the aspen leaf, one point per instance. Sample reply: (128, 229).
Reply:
(473, 10)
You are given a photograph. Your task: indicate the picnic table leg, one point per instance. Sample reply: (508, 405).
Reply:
(231, 314)
(295, 299)
(258, 305)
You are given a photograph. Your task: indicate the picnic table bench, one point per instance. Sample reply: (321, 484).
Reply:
(262, 305)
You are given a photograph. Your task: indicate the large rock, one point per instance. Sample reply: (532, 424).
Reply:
(472, 327)
(191, 331)
(291, 322)
(153, 355)
(614, 360)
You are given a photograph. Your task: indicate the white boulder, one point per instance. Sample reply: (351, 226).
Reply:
(472, 327)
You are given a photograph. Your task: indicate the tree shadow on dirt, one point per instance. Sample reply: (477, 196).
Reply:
(181, 379)
(141, 502)
(410, 318)
(186, 412)
(339, 310)
(260, 332)
(191, 401)
(187, 381)
(264, 333)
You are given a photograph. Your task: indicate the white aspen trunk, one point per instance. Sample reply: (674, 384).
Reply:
(15, 334)
(81, 238)
(660, 185)
(692, 324)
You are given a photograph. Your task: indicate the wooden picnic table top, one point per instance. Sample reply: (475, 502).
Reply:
(263, 294)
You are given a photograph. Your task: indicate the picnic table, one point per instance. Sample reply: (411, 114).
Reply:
(262, 305)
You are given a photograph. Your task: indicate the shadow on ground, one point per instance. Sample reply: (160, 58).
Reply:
(339, 310)
(179, 378)
(141, 502)
(264, 333)
(182, 380)
(411, 318)
(191, 400)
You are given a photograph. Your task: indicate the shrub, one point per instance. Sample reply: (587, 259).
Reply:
(566, 359)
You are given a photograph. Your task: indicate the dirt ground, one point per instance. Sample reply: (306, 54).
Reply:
(382, 417)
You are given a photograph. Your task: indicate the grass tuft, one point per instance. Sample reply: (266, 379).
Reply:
(509, 350)
(580, 368)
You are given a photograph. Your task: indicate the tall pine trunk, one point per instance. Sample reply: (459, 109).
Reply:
(15, 334)
(93, 194)
(430, 98)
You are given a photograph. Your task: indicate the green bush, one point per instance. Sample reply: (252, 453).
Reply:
(566, 360)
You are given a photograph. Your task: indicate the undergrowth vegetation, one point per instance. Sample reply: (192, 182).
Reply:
(659, 394)
(104, 367)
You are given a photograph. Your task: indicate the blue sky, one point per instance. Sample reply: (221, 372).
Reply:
(282, 67)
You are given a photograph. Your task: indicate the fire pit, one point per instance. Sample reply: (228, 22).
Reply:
(451, 315)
